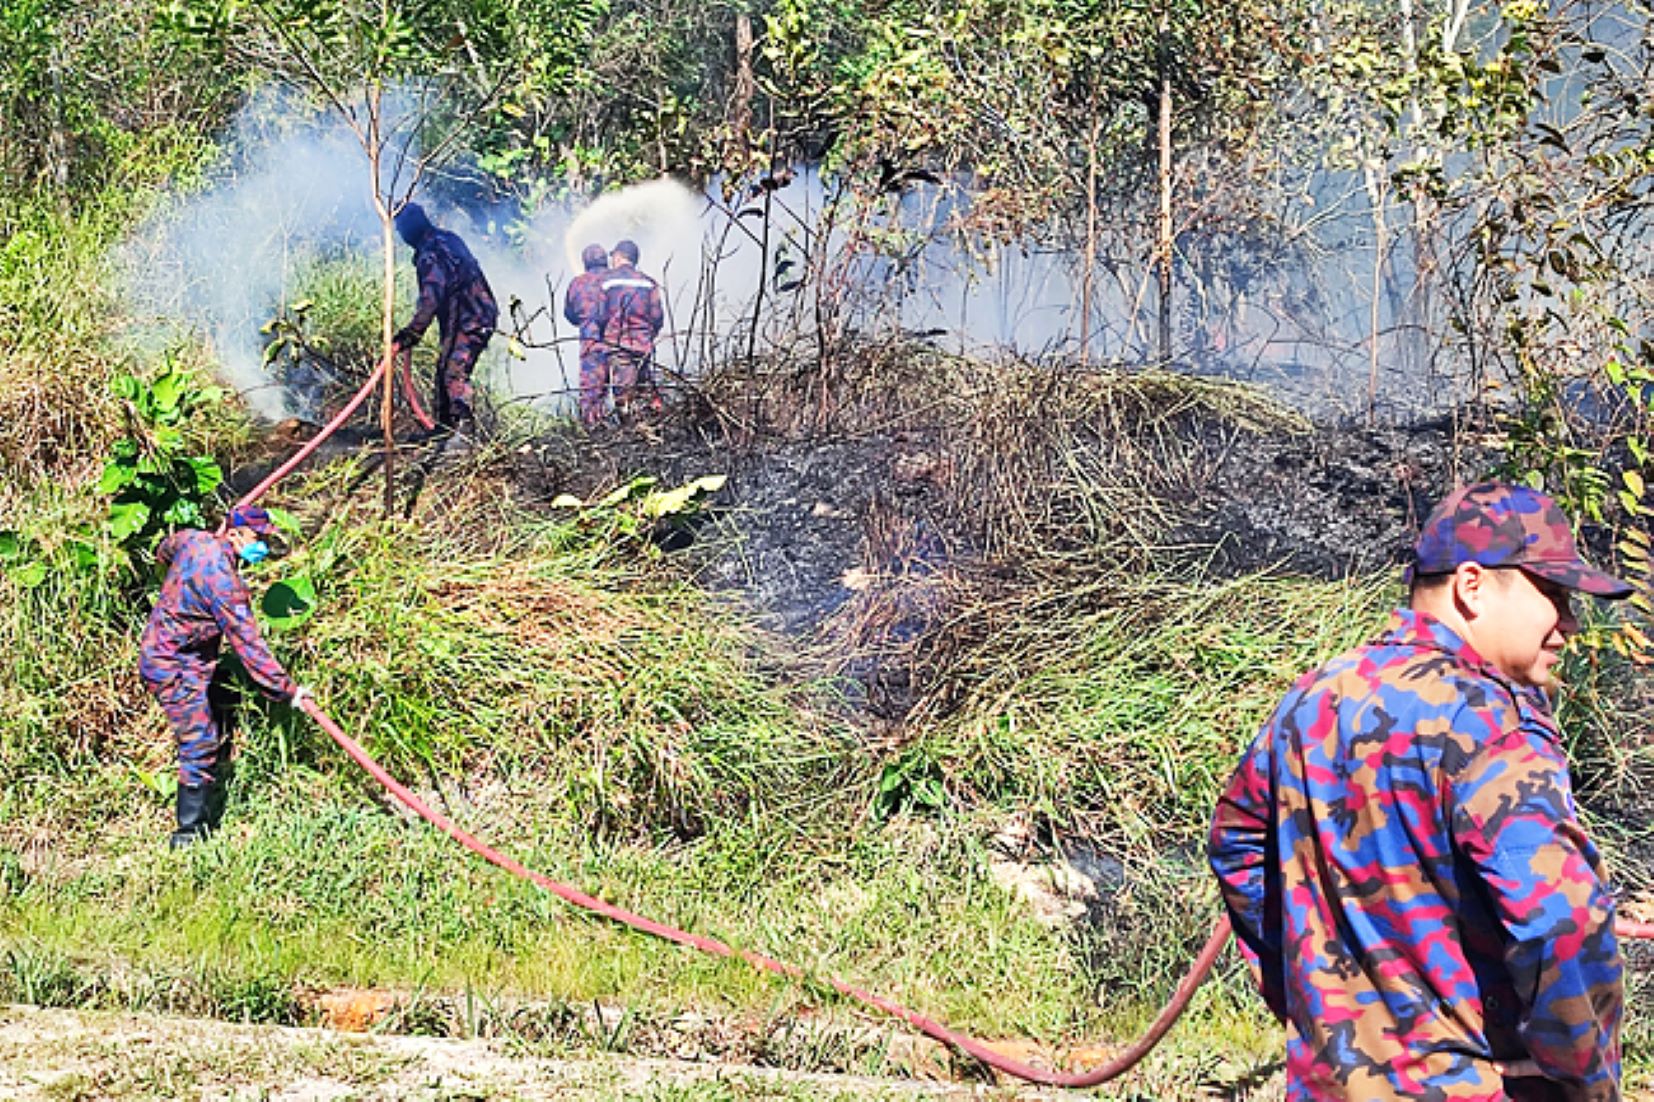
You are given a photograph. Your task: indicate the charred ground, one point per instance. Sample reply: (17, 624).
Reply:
(868, 510)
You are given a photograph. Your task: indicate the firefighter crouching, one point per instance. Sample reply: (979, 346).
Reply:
(203, 601)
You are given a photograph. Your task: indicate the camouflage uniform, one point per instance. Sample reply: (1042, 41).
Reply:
(583, 306)
(1401, 856)
(202, 602)
(454, 292)
(634, 315)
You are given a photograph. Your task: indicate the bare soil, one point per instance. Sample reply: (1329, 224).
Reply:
(64, 1054)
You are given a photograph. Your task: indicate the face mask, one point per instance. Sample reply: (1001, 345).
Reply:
(257, 551)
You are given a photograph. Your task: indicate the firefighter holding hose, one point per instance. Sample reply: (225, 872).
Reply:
(203, 602)
(455, 294)
(1399, 849)
(633, 315)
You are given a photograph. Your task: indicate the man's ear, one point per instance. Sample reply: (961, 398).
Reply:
(1470, 582)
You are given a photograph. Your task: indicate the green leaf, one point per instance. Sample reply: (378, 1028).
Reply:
(207, 475)
(127, 519)
(184, 513)
(616, 496)
(928, 792)
(163, 782)
(1633, 482)
(168, 392)
(11, 546)
(84, 556)
(117, 476)
(684, 498)
(288, 602)
(29, 575)
(286, 522)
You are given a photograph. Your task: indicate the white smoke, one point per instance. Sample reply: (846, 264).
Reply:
(662, 217)
(736, 277)
(218, 262)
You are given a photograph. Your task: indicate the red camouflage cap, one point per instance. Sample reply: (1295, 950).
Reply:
(1499, 524)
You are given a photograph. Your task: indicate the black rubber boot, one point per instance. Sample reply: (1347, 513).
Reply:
(192, 815)
(217, 792)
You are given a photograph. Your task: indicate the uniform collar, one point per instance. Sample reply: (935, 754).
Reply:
(1410, 628)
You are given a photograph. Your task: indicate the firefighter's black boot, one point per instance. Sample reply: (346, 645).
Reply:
(192, 815)
(218, 789)
(216, 793)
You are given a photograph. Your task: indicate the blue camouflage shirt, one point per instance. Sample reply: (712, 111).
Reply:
(1400, 854)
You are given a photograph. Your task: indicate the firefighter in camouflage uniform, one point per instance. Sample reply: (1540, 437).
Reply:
(633, 315)
(203, 601)
(453, 292)
(583, 307)
(1399, 849)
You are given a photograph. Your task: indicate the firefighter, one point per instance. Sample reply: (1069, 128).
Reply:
(203, 601)
(633, 315)
(583, 306)
(1399, 848)
(454, 292)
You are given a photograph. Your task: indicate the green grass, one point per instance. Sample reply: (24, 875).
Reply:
(1122, 720)
(598, 719)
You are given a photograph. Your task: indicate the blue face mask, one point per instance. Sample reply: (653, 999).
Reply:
(257, 551)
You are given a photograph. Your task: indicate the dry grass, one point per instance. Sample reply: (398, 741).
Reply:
(54, 423)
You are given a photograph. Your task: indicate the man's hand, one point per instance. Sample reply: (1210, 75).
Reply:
(403, 342)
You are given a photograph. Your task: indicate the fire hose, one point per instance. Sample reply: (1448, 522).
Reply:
(1120, 1063)
(338, 421)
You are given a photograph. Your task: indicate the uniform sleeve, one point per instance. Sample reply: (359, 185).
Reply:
(168, 550)
(433, 286)
(572, 306)
(1513, 818)
(656, 311)
(232, 608)
(1241, 851)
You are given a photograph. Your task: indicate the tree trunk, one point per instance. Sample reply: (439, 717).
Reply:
(1165, 243)
(1414, 319)
(387, 301)
(740, 111)
(1089, 272)
(1378, 195)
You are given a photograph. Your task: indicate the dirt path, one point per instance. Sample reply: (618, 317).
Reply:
(61, 1054)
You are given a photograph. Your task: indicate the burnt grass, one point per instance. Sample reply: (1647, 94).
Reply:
(808, 514)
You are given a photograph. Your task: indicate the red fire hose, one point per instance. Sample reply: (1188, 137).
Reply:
(314, 442)
(408, 392)
(338, 420)
(1119, 1064)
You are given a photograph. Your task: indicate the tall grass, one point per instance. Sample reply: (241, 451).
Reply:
(1120, 721)
(494, 644)
(61, 311)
